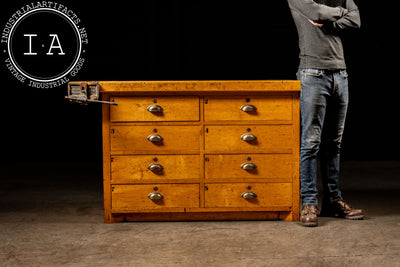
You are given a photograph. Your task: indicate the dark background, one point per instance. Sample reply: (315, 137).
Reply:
(197, 40)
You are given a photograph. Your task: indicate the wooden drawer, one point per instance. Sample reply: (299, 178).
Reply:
(175, 139)
(230, 195)
(137, 196)
(173, 109)
(249, 166)
(267, 108)
(268, 138)
(155, 167)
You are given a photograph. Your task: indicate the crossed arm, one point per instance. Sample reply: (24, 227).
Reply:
(336, 18)
(351, 20)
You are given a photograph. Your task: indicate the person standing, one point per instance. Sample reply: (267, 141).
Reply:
(323, 101)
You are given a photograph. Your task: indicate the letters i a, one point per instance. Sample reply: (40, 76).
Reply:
(52, 45)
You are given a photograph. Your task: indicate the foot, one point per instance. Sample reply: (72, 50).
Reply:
(308, 216)
(342, 209)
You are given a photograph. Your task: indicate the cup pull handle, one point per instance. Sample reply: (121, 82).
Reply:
(248, 195)
(248, 108)
(154, 108)
(248, 137)
(155, 138)
(155, 196)
(155, 167)
(248, 166)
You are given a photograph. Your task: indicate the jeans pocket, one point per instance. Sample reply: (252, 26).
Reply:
(344, 74)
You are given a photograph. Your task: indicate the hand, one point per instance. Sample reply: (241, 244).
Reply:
(316, 24)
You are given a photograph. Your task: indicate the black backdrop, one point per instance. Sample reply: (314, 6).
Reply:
(197, 40)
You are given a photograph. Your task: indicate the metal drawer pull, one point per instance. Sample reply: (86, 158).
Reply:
(155, 138)
(155, 167)
(155, 196)
(248, 166)
(248, 195)
(248, 137)
(248, 108)
(154, 108)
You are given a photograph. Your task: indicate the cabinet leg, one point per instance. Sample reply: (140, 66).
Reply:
(286, 216)
(113, 218)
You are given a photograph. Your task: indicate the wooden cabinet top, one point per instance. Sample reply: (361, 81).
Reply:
(203, 86)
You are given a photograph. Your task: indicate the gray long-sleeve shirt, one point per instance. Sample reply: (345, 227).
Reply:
(321, 47)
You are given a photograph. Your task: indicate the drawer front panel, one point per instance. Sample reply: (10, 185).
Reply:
(249, 166)
(232, 195)
(135, 139)
(173, 196)
(266, 108)
(155, 167)
(155, 109)
(267, 137)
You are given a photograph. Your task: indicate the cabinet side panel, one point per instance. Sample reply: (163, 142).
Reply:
(106, 159)
(296, 157)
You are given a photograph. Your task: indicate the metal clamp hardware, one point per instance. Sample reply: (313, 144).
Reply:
(85, 93)
(248, 166)
(155, 138)
(248, 108)
(154, 108)
(155, 196)
(248, 195)
(155, 167)
(248, 137)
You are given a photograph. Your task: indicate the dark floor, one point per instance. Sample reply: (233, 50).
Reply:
(51, 215)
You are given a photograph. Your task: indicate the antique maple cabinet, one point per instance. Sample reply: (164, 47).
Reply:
(200, 150)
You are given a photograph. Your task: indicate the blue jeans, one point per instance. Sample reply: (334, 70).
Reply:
(323, 106)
